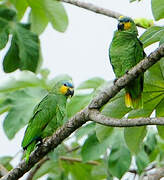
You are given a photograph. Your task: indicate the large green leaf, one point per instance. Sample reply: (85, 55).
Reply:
(22, 105)
(56, 14)
(85, 130)
(48, 167)
(92, 149)
(152, 35)
(11, 60)
(153, 91)
(103, 132)
(134, 137)
(157, 9)
(6, 15)
(28, 44)
(38, 16)
(77, 103)
(21, 6)
(92, 83)
(78, 171)
(119, 160)
(23, 80)
(111, 109)
(142, 160)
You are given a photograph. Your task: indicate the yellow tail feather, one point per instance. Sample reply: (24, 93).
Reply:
(128, 100)
(133, 103)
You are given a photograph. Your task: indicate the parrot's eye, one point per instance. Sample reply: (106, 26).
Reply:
(65, 84)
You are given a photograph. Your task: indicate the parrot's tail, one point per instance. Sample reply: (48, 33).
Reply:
(29, 149)
(135, 103)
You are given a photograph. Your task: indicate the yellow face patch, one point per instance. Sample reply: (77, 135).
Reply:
(64, 89)
(127, 25)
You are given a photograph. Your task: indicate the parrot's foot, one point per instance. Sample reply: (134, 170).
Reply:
(127, 72)
(114, 82)
(40, 141)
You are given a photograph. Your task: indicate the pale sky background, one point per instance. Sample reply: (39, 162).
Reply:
(82, 51)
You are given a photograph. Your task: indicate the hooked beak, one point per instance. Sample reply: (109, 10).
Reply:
(120, 26)
(70, 92)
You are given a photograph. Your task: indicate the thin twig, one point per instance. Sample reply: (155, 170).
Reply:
(72, 160)
(96, 9)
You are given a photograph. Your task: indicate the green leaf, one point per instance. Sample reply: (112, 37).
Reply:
(92, 149)
(78, 171)
(11, 60)
(103, 132)
(77, 103)
(38, 17)
(119, 160)
(85, 130)
(134, 137)
(7, 14)
(142, 161)
(24, 79)
(150, 142)
(28, 44)
(146, 23)
(92, 83)
(22, 105)
(152, 35)
(56, 14)
(111, 109)
(21, 6)
(48, 167)
(4, 33)
(5, 161)
(157, 9)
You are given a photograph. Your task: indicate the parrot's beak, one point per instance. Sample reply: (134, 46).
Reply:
(120, 26)
(70, 92)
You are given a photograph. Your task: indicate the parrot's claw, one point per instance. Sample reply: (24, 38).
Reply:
(114, 82)
(40, 141)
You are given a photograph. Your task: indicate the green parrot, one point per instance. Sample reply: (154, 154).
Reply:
(48, 115)
(125, 51)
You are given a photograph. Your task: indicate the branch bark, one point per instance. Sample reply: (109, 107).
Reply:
(157, 175)
(96, 116)
(83, 116)
(96, 9)
(3, 170)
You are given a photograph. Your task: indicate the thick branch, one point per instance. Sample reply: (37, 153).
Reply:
(82, 117)
(96, 116)
(96, 9)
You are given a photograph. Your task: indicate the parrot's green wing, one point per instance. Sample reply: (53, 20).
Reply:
(58, 120)
(43, 114)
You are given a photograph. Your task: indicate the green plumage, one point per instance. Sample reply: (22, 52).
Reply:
(125, 52)
(48, 115)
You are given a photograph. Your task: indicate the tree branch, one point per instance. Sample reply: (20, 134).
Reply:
(3, 170)
(83, 116)
(96, 116)
(96, 9)
(93, 8)
(157, 175)
(70, 159)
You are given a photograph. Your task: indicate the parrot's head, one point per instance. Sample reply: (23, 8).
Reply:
(64, 87)
(126, 24)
